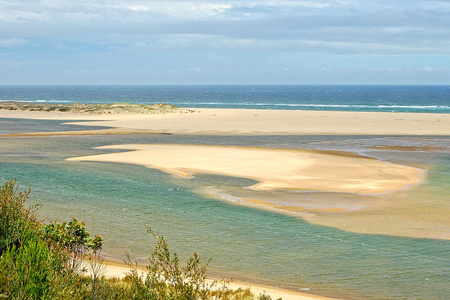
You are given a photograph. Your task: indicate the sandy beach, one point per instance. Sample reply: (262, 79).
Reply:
(113, 269)
(257, 122)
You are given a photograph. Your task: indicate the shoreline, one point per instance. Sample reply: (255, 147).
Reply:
(256, 122)
(114, 268)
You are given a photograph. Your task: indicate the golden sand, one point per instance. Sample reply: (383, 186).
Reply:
(259, 122)
(272, 168)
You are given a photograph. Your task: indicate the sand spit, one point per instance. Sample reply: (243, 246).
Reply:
(257, 122)
(272, 168)
(355, 194)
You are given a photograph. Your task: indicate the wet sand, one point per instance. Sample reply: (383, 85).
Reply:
(272, 168)
(352, 193)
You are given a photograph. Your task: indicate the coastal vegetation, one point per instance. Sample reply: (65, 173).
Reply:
(104, 108)
(62, 261)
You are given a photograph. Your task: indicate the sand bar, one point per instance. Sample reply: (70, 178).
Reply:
(271, 168)
(259, 122)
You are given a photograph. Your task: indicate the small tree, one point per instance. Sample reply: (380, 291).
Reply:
(73, 238)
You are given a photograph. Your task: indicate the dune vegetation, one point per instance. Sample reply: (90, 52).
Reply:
(104, 108)
(62, 261)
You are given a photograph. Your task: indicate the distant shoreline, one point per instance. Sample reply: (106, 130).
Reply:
(208, 121)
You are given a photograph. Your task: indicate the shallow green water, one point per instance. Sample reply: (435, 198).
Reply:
(117, 200)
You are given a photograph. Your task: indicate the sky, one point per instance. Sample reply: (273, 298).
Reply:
(224, 42)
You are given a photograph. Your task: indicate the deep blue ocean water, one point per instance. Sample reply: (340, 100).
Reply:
(434, 99)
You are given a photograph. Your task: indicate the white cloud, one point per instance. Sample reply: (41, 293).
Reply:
(336, 26)
(209, 9)
(12, 42)
(435, 69)
(139, 8)
(288, 3)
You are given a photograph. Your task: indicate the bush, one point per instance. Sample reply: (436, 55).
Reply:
(29, 269)
(40, 261)
(16, 222)
(73, 238)
(165, 279)
(33, 272)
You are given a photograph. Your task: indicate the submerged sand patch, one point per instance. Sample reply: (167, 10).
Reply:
(272, 168)
(348, 192)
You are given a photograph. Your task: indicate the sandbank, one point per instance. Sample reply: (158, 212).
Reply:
(258, 122)
(271, 168)
(352, 193)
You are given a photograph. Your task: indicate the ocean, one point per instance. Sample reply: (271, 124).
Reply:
(117, 201)
(433, 99)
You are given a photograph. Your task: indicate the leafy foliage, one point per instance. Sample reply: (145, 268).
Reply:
(73, 238)
(29, 269)
(40, 261)
(16, 221)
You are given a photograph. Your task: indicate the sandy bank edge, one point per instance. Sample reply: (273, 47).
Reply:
(118, 270)
(260, 122)
(272, 168)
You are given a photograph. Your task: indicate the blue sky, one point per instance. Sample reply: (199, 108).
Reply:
(224, 42)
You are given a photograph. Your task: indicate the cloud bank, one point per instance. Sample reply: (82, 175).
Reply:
(334, 27)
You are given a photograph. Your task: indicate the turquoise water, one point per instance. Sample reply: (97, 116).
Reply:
(117, 201)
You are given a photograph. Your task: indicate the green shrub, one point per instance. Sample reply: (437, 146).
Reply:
(29, 269)
(166, 279)
(16, 221)
(73, 238)
(40, 261)
(32, 271)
